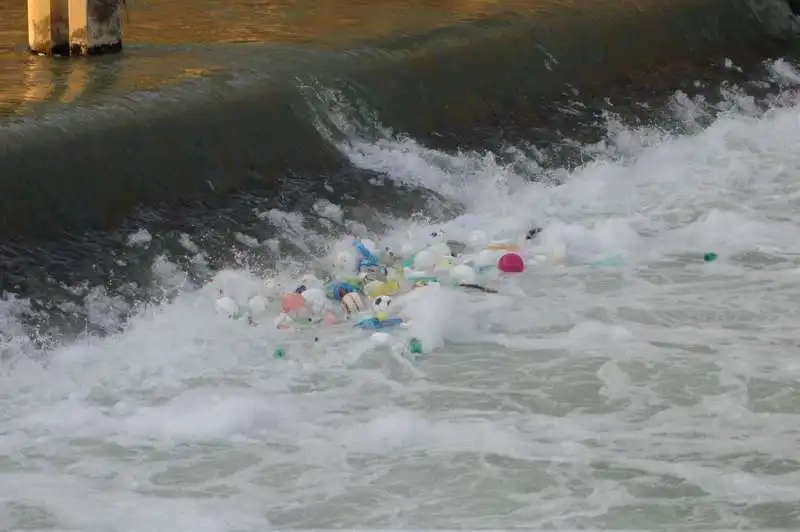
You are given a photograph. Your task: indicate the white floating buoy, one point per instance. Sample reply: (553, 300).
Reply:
(227, 306)
(257, 306)
(314, 297)
(382, 303)
(463, 274)
(486, 257)
(424, 260)
(345, 260)
(441, 249)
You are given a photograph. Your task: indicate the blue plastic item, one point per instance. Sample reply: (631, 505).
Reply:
(375, 323)
(337, 290)
(366, 257)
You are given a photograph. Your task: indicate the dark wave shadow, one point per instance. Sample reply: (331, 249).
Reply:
(245, 122)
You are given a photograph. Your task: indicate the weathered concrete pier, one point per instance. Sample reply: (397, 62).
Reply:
(48, 27)
(75, 27)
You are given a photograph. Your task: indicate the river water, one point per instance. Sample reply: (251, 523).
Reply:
(632, 386)
(657, 391)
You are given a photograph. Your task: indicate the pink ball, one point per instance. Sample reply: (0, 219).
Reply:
(510, 263)
(292, 302)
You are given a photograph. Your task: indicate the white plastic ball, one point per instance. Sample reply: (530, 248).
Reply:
(463, 274)
(382, 303)
(257, 305)
(486, 258)
(345, 259)
(441, 249)
(424, 260)
(315, 298)
(227, 306)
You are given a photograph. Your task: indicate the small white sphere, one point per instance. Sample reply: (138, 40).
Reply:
(382, 303)
(226, 305)
(424, 260)
(345, 259)
(315, 298)
(441, 249)
(463, 274)
(486, 257)
(257, 305)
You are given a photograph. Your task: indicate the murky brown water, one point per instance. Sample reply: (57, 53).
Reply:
(162, 31)
(309, 21)
(167, 40)
(159, 36)
(321, 22)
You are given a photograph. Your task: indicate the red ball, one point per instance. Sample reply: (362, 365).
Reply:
(510, 263)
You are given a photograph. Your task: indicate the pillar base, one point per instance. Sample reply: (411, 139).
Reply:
(95, 27)
(100, 49)
(50, 49)
(48, 27)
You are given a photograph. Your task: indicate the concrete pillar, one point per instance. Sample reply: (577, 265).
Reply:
(95, 26)
(48, 31)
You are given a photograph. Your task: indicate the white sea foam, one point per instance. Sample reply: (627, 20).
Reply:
(658, 390)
